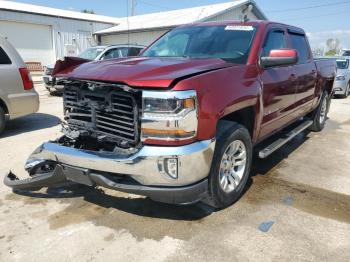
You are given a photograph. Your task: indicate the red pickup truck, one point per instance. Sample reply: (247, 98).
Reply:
(179, 123)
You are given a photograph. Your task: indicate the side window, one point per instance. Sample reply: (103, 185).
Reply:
(110, 54)
(134, 51)
(299, 43)
(124, 51)
(275, 40)
(4, 59)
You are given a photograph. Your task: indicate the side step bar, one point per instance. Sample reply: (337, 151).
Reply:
(284, 139)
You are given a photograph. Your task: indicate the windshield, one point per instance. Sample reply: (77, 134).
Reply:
(91, 53)
(346, 53)
(343, 64)
(231, 43)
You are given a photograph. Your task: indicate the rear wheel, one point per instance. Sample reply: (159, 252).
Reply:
(2, 120)
(230, 167)
(319, 116)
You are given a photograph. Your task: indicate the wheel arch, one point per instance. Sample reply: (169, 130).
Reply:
(245, 116)
(4, 106)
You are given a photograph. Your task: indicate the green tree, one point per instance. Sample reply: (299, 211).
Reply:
(87, 11)
(332, 52)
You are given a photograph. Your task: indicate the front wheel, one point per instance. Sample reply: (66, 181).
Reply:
(319, 116)
(230, 167)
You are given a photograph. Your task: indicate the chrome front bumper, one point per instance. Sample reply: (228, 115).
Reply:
(340, 87)
(146, 166)
(52, 82)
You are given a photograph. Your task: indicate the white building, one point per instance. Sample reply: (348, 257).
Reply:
(144, 29)
(43, 34)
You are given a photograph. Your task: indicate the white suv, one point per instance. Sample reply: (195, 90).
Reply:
(17, 95)
(93, 53)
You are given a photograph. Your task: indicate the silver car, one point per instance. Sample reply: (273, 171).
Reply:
(342, 80)
(17, 95)
(93, 53)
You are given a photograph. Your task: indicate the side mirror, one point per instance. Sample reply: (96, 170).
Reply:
(280, 57)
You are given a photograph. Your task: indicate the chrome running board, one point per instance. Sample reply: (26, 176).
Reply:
(284, 139)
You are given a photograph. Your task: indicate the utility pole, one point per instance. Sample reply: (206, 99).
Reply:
(133, 5)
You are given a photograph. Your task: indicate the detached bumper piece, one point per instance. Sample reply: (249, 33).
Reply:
(36, 182)
(62, 173)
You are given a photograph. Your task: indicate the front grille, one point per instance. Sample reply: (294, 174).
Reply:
(103, 112)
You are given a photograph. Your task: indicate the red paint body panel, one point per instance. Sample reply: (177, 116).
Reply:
(141, 71)
(283, 53)
(278, 95)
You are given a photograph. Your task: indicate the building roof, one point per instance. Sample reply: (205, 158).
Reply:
(48, 11)
(178, 17)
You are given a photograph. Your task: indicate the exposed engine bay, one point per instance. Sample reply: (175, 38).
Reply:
(100, 116)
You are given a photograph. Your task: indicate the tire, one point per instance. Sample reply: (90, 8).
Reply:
(2, 120)
(319, 116)
(347, 91)
(232, 142)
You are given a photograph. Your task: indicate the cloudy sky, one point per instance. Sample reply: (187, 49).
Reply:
(322, 19)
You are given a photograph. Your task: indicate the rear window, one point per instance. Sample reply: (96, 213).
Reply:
(343, 64)
(299, 43)
(4, 59)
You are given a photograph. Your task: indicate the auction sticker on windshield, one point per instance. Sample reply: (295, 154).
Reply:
(239, 28)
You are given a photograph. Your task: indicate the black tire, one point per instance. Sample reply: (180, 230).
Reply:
(229, 133)
(347, 91)
(318, 121)
(2, 120)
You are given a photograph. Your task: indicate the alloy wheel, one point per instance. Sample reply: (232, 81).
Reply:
(232, 166)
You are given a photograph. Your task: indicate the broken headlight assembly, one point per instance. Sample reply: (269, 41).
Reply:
(169, 116)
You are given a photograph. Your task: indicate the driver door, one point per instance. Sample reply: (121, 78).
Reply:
(279, 86)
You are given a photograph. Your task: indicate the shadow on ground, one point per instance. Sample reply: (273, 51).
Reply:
(29, 123)
(264, 166)
(140, 206)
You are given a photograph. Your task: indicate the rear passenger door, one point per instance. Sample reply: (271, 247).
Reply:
(305, 71)
(279, 84)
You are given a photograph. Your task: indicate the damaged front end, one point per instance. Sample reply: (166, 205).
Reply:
(101, 146)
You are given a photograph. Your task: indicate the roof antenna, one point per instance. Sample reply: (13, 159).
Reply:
(244, 16)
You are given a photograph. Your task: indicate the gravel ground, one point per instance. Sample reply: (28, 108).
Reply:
(296, 207)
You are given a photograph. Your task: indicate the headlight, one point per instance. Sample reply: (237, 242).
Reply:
(340, 78)
(170, 116)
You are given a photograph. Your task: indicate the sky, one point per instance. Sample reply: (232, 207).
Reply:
(322, 19)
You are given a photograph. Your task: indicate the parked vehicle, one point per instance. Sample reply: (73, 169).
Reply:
(17, 95)
(345, 52)
(342, 80)
(92, 53)
(179, 123)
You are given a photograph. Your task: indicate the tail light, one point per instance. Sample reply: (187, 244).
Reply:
(26, 78)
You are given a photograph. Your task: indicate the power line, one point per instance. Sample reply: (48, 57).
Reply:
(309, 7)
(157, 6)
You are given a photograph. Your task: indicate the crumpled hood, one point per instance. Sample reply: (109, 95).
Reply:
(138, 71)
